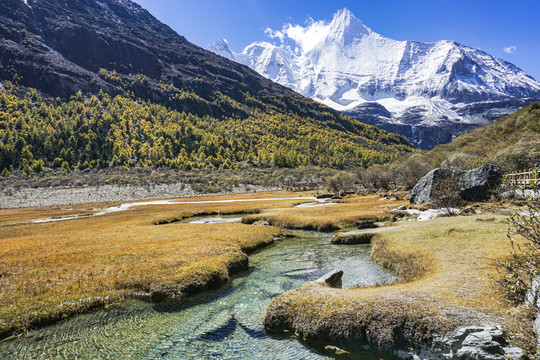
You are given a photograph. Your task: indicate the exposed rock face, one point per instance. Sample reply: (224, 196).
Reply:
(477, 184)
(475, 343)
(424, 189)
(474, 185)
(59, 47)
(429, 92)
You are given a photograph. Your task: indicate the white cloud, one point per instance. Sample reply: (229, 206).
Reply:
(275, 34)
(510, 49)
(304, 37)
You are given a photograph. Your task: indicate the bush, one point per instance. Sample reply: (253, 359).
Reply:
(523, 269)
(521, 283)
(341, 181)
(446, 193)
(378, 177)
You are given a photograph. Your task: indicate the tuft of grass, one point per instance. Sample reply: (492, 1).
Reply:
(406, 265)
(352, 238)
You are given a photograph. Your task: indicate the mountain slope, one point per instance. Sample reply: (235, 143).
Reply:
(512, 142)
(59, 47)
(408, 87)
(220, 109)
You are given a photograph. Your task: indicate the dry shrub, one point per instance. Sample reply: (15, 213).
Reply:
(403, 173)
(446, 194)
(521, 329)
(523, 269)
(521, 283)
(342, 181)
(523, 155)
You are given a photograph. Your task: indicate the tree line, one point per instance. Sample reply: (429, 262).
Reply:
(105, 131)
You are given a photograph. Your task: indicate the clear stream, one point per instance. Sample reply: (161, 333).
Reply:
(223, 324)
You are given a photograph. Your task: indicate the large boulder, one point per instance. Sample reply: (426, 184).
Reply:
(474, 185)
(425, 190)
(478, 184)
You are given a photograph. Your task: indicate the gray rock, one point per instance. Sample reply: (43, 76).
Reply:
(474, 185)
(477, 184)
(435, 213)
(423, 191)
(519, 195)
(471, 343)
(533, 299)
(332, 279)
(368, 224)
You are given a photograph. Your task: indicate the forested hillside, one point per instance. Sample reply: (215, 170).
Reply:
(116, 87)
(104, 131)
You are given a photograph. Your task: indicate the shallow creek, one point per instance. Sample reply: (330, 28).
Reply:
(223, 324)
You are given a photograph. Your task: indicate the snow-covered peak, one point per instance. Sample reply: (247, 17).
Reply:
(345, 27)
(350, 68)
(221, 47)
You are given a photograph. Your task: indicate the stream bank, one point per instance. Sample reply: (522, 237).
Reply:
(226, 323)
(444, 305)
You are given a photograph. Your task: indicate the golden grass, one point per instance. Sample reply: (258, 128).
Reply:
(445, 266)
(460, 252)
(52, 270)
(327, 218)
(48, 271)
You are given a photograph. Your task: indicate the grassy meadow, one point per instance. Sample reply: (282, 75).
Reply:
(345, 214)
(52, 270)
(49, 271)
(446, 268)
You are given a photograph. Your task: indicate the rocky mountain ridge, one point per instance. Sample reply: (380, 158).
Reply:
(429, 92)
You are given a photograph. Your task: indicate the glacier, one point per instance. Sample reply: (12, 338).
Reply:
(429, 92)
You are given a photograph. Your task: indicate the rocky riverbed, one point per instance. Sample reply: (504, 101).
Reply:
(53, 196)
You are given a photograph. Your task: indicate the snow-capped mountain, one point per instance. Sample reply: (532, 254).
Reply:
(429, 92)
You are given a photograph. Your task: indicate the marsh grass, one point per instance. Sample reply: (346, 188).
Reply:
(443, 266)
(50, 271)
(347, 213)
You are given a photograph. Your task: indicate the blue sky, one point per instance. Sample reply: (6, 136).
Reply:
(490, 25)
